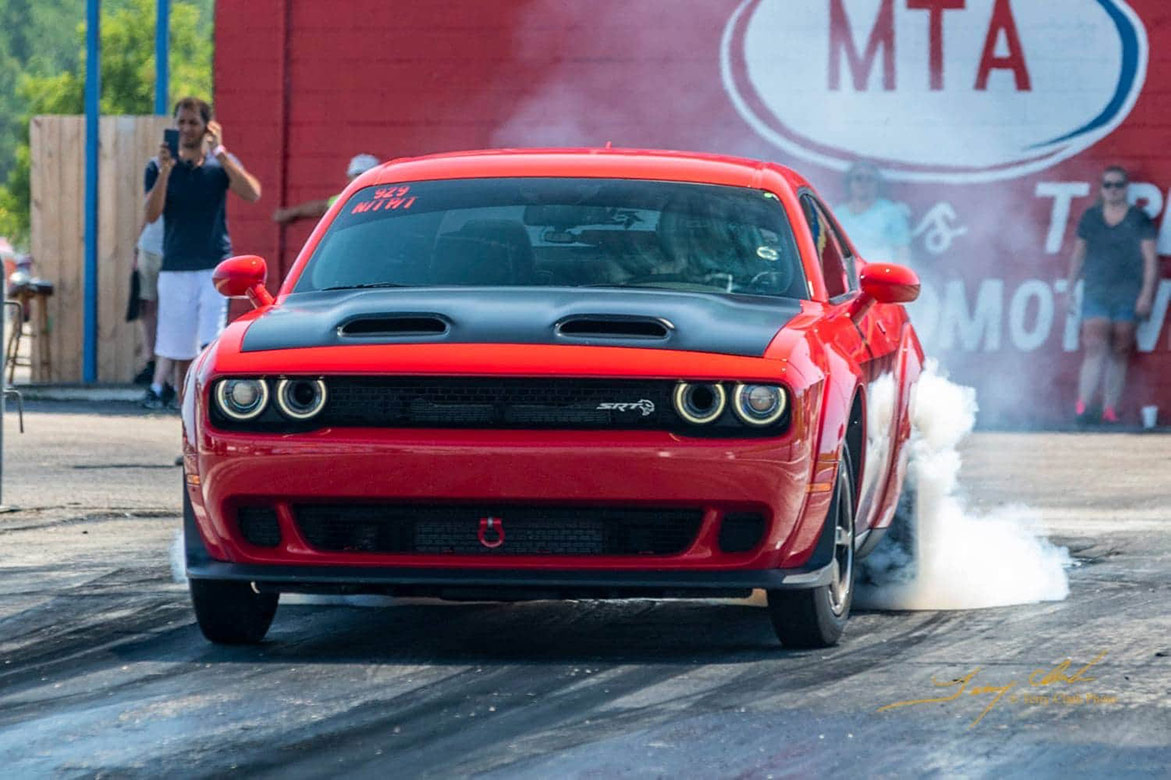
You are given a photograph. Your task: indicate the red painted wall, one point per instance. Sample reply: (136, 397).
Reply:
(303, 85)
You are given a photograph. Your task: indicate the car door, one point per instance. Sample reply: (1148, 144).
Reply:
(871, 341)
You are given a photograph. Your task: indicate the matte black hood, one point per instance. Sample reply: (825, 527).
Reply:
(664, 319)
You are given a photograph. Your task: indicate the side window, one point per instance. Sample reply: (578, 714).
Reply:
(848, 259)
(829, 248)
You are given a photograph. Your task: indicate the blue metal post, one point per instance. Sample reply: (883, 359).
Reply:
(93, 92)
(162, 56)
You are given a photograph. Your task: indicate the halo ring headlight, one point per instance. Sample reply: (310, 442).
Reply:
(241, 399)
(757, 404)
(700, 403)
(300, 399)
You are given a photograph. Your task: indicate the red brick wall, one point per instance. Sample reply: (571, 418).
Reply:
(400, 79)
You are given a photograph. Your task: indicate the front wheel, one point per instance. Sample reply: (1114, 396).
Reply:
(817, 617)
(232, 613)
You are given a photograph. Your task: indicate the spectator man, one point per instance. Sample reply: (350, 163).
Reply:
(315, 209)
(191, 195)
(877, 227)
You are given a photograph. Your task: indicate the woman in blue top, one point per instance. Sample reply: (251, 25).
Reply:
(1115, 257)
(878, 228)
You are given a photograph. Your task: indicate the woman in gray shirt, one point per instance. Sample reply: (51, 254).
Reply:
(1115, 256)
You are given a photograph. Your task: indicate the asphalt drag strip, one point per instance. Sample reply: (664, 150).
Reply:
(102, 670)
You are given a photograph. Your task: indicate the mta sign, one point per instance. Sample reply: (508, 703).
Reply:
(935, 90)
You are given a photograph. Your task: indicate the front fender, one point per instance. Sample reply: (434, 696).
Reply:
(829, 405)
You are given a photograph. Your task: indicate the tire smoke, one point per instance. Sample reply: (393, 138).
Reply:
(951, 557)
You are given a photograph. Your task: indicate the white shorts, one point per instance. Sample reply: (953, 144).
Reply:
(191, 313)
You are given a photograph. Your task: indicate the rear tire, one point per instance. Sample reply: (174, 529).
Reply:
(231, 613)
(816, 617)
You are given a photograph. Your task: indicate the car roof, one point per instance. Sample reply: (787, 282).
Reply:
(604, 162)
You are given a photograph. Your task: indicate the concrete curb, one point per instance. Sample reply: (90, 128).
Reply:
(99, 393)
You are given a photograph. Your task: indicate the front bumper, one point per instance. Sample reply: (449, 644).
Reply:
(506, 583)
(586, 468)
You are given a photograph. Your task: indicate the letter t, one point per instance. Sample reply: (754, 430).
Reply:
(935, 9)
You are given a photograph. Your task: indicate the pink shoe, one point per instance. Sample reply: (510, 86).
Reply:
(1080, 408)
(1109, 415)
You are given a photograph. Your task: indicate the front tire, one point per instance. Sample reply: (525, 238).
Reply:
(816, 617)
(232, 613)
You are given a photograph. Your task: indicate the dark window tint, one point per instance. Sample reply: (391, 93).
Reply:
(560, 232)
(829, 249)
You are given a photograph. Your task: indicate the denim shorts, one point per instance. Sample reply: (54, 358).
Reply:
(1099, 309)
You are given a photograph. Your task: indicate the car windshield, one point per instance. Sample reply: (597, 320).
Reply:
(560, 232)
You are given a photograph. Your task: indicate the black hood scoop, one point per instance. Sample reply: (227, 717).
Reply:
(395, 326)
(655, 319)
(601, 326)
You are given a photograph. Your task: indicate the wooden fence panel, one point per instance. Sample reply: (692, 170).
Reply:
(58, 194)
(58, 236)
(127, 142)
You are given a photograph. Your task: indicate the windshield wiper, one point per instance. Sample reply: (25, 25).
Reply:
(367, 286)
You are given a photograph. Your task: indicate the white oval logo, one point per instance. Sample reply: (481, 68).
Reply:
(935, 90)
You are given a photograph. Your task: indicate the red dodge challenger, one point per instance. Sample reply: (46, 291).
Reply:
(546, 374)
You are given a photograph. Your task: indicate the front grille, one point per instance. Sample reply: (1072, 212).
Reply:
(527, 530)
(499, 403)
(258, 525)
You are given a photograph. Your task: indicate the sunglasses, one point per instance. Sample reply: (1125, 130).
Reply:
(1113, 185)
(863, 178)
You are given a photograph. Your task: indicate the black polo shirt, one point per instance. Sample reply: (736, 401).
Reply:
(195, 227)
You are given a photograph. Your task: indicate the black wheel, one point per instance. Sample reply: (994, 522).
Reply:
(816, 617)
(231, 613)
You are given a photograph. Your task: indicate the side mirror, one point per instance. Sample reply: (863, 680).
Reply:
(243, 277)
(889, 283)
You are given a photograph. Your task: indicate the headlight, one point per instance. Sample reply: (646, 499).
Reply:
(758, 404)
(300, 399)
(241, 399)
(700, 404)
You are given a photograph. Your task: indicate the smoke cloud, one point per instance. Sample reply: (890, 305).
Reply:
(957, 558)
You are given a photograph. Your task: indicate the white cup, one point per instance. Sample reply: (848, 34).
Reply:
(1150, 416)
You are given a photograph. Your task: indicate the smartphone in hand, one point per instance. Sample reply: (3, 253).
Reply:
(171, 139)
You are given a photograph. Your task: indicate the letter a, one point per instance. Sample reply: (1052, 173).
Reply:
(1003, 22)
(841, 43)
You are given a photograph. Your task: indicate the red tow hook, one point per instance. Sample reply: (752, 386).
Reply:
(491, 533)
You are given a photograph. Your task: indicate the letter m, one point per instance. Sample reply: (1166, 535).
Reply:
(841, 44)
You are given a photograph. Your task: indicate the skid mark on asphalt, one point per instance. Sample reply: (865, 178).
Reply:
(99, 466)
(47, 650)
(437, 733)
(438, 726)
(91, 517)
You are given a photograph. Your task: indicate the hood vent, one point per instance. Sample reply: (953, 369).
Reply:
(614, 326)
(396, 325)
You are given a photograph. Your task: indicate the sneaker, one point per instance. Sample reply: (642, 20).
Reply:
(146, 375)
(1081, 414)
(153, 401)
(170, 398)
(1110, 416)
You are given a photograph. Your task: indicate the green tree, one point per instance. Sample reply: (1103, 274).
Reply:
(128, 69)
(37, 37)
